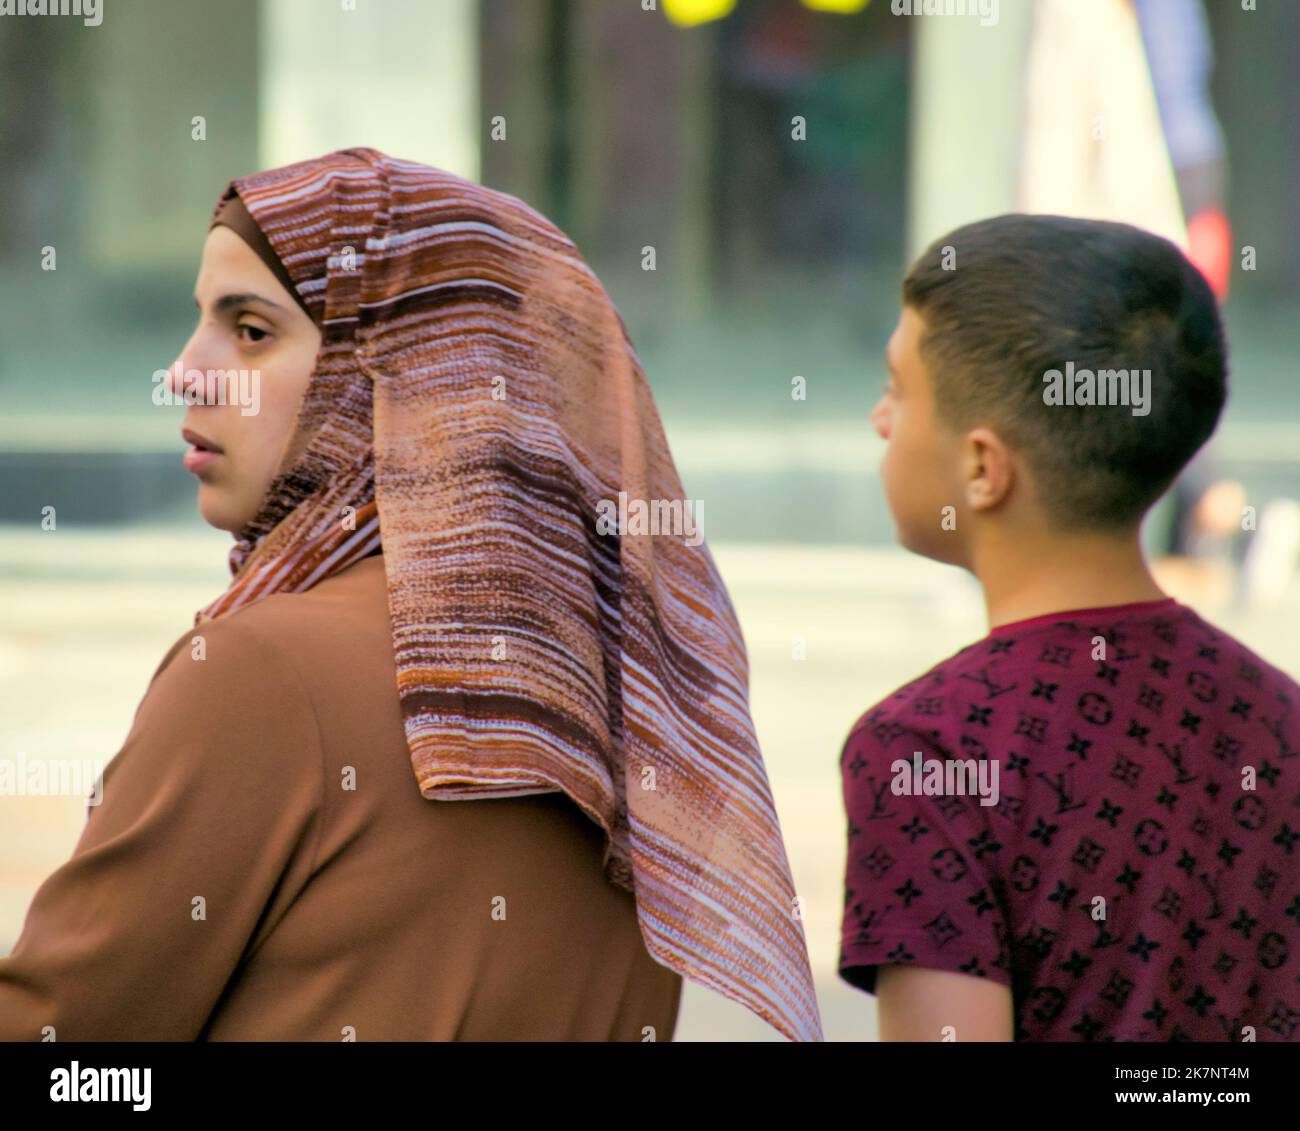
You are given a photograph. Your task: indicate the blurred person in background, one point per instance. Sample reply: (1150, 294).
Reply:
(1209, 549)
(1180, 57)
(1120, 125)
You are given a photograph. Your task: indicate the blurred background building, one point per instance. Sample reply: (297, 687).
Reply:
(775, 162)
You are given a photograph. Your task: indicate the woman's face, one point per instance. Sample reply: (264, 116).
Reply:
(254, 350)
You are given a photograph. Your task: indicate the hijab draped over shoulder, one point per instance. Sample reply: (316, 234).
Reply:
(474, 403)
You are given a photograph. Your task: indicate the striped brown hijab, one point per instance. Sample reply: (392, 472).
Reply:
(474, 400)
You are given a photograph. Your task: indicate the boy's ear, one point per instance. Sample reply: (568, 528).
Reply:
(988, 470)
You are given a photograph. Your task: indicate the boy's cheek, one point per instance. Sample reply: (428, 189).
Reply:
(915, 503)
(898, 472)
(899, 487)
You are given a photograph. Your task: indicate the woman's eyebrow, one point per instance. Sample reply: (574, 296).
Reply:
(225, 302)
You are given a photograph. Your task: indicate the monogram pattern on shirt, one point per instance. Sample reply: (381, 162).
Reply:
(1121, 780)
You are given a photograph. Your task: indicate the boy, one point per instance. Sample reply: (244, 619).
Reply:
(1084, 825)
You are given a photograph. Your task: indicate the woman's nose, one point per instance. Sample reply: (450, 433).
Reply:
(186, 372)
(175, 375)
(176, 371)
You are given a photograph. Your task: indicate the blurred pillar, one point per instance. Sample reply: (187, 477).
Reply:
(645, 107)
(699, 113)
(610, 110)
(514, 88)
(967, 84)
(140, 213)
(37, 141)
(398, 75)
(1256, 90)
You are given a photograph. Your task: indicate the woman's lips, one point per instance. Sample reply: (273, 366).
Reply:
(196, 459)
(202, 451)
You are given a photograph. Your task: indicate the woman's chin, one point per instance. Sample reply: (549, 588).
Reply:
(216, 510)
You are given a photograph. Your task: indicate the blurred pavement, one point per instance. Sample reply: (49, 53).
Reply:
(85, 617)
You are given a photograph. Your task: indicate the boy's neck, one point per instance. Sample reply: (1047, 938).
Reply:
(1026, 578)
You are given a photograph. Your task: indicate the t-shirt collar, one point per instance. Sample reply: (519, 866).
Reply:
(1139, 607)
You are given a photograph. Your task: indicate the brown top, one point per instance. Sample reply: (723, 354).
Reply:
(261, 868)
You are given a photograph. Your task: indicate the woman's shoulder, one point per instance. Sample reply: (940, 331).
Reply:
(307, 647)
(224, 666)
(346, 601)
(227, 715)
(299, 623)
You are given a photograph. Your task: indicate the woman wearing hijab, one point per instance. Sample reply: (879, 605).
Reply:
(446, 760)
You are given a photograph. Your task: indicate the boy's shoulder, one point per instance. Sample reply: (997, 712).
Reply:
(1073, 662)
(917, 707)
(1221, 670)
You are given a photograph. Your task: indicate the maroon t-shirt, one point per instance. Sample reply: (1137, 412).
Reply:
(1137, 878)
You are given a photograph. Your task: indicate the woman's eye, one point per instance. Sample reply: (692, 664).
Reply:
(257, 332)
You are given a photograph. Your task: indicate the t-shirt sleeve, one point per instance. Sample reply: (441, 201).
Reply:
(919, 887)
(215, 792)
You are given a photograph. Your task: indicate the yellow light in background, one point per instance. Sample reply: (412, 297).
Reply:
(688, 13)
(840, 7)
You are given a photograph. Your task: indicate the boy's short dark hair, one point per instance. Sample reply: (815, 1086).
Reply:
(1019, 295)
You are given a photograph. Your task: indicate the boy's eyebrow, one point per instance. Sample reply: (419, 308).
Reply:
(225, 302)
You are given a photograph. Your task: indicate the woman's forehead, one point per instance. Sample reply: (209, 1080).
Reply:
(228, 261)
